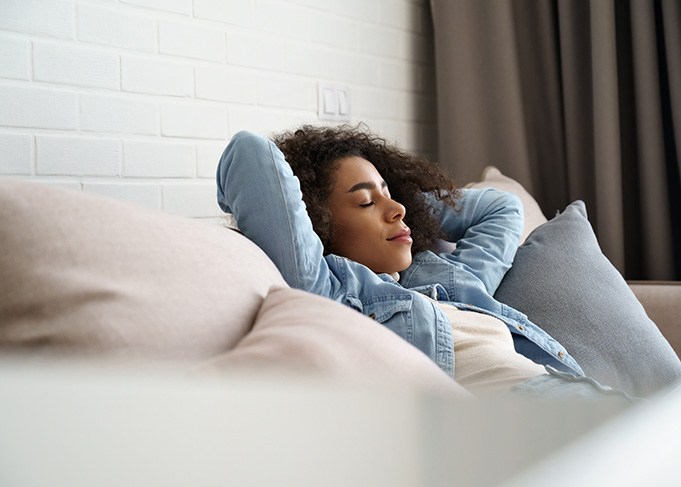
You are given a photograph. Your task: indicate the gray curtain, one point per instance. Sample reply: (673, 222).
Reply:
(575, 99)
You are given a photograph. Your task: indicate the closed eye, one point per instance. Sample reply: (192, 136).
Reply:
(367, 205)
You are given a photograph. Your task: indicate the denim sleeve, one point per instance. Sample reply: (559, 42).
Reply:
(257, 185)
(486, 227)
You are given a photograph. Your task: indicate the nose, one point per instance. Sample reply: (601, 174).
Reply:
(395, 211)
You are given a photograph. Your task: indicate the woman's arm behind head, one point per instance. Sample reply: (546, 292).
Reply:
(256, 184)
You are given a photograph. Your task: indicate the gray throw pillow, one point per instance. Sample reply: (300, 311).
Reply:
(564, 283)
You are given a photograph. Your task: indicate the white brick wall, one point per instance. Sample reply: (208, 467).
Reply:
(207, 156)
(113, 114)
(152, 159)
(52, 18)
(190, 199)
(27, 106)
(225, 83)
(277, 91)
(14, 58)
(115, 28)
(76, 156)
(193, 120)
(16, 154)
(59, 64)
(156, 77)
(192, 40)
(233, 12)
(252, 49)
(136, 99)
(178, 6)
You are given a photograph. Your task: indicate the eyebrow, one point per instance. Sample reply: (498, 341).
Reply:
(367, 185)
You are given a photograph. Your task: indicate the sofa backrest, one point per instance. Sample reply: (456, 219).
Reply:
(85, 273)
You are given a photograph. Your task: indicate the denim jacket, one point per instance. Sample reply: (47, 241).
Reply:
(257, 185)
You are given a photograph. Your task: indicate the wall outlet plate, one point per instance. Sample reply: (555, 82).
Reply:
(334, 102)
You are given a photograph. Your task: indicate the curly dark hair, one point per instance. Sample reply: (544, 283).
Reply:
(312, 152)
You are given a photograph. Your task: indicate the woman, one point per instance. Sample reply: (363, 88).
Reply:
(358, 223)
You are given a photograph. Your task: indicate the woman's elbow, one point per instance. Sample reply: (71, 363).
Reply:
(244, 155)
(511, 207)
(245, 147)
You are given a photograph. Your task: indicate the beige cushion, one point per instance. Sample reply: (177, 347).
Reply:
(493, 178)
(89, 274)
(303, 333)
(662, 302)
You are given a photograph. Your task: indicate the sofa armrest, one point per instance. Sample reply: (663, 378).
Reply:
(662, 302)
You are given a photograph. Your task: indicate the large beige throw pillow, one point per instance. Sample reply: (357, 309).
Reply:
(297, 332)
(85, 274)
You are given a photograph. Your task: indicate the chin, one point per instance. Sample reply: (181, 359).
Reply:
(401, 267)
(395, 265)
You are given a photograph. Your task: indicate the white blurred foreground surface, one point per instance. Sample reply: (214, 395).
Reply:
(74, 424)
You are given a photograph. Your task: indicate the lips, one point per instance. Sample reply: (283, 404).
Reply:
(402, 235)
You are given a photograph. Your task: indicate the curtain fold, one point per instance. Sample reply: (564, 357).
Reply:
(576, 99)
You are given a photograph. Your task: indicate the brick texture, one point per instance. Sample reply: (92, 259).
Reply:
(136, 99)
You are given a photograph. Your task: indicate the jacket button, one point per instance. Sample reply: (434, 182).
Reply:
(521, 327)
(372, 316)
(561, 354)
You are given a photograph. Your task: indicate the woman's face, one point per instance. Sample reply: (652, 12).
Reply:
(366, 224)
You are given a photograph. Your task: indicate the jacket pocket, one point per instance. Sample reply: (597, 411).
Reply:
(381, 308)
(394, 312)
(384, 308)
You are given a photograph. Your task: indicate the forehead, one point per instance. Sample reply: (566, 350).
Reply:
(354, 169)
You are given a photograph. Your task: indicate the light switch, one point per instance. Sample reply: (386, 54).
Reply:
(334, 102)
(343, 102)
(330, 101)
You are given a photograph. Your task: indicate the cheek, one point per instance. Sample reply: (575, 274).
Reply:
(349, 234)
(344, 231)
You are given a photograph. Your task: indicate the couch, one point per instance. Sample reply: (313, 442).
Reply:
(141, 348)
